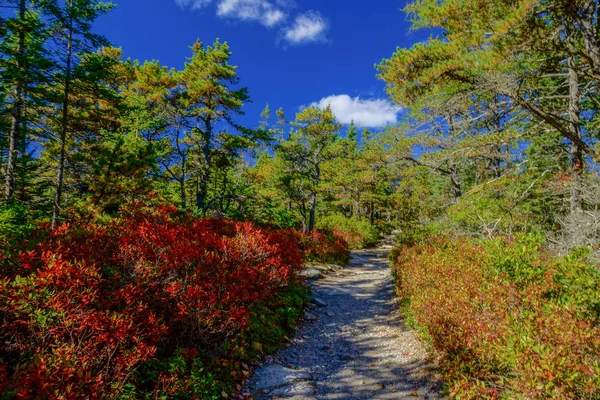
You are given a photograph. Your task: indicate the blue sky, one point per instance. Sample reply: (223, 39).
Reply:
(290, 53)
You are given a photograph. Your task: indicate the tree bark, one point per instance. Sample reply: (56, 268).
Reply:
(17, 114)
(202, 187)
(456, 182)
(64, 125)
(575, 128)
(313, 208)
(313, 197)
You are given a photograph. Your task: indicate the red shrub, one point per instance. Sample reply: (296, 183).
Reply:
(96, 301)
(66, 335)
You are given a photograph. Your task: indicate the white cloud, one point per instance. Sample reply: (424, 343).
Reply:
(308, 27)
(262, 11)
(366, 113)
(251, 10)
(193, 4)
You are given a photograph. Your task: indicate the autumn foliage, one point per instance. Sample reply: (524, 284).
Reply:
(508, 319)
(318, 246)
(83, 308)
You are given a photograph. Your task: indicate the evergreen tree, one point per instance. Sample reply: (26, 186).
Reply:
(74, 38)
(304, 154)
(25, 65)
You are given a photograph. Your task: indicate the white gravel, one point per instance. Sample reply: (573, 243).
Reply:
(357, 347)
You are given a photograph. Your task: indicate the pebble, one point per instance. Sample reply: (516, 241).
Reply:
(319, 302)
(362, 350)
(310, 316)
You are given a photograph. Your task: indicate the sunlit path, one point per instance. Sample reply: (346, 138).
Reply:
(357, 347)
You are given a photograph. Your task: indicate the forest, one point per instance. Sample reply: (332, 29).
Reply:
(150, 242)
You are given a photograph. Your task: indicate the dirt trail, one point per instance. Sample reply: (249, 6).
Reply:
(354, 344)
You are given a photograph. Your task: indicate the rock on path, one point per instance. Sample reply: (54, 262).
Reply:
(354, 344)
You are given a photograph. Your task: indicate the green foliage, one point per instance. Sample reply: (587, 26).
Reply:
(358, 234)
(14, 223)
(272, 323)
(183, 376)
(414, 234)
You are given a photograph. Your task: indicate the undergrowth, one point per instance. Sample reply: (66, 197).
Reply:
(507, 318)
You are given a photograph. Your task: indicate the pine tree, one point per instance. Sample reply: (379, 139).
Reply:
(210, 101)
(73, 22)
(304, 154)
(25, 70)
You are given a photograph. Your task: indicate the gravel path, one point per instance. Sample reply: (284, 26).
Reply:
(353, 345)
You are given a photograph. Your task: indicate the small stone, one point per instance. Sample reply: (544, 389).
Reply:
(319, 302)
(278, 379)
(311, 273)
(323, 268)
(325, 348)
(310, 316)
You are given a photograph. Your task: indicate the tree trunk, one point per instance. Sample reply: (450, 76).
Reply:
(589, 28)
(576, 150)
(16, 117)
(64, 126)
(313, 195)
(357, 205)
(181, 180)
(202, 187)
(456, 183)
(313, 208)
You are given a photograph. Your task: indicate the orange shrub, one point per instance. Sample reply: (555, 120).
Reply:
(319, 247)
(506, 318)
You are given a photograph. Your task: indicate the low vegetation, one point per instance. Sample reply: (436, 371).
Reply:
(507, 318)
(156, 304)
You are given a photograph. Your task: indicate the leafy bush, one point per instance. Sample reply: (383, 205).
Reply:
(358, 234)
(14, 226)
(320, 247)
(91, 304)
(507, 318)
(415, 233)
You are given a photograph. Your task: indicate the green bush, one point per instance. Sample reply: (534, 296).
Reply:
(270, 324)
(15, 225)
(416, 233)
(358, 234)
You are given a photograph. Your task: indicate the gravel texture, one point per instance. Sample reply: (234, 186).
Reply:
(353, 344)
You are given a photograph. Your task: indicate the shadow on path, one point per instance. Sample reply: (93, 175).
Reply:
(358, 347)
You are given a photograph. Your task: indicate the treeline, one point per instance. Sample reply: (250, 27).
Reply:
(500, 271)
(86, 132)
(149, 242)
(504, 114)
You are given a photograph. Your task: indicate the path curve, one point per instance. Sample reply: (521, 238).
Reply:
(353, 345)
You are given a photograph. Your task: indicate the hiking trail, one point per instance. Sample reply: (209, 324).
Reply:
(353, 344)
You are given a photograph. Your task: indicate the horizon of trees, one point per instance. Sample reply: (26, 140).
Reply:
(500, 135)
